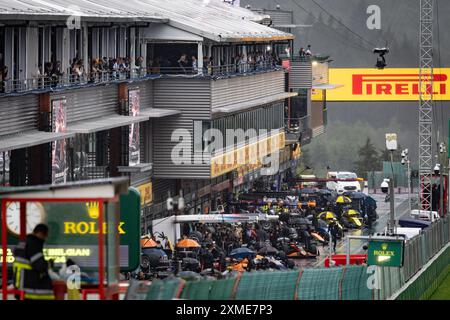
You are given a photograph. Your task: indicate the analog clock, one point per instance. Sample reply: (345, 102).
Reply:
(35, 215)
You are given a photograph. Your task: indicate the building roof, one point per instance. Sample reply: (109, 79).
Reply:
(214, 19)
(31, 138)
(211, 19)
(87, 10)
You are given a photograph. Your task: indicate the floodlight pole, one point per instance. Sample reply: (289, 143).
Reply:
(391, 225)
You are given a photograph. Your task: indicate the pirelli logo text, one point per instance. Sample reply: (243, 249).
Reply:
(398, 84)
(391, 84)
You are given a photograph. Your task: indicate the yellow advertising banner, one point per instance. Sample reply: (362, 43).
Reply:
(246, 156)
(390, 84)
(146, 191)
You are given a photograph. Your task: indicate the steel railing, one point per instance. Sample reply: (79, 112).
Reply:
(220, 70)
(58, 81)
(45, 83)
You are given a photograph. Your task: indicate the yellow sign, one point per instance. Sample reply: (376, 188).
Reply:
(248, 155)
(71, 227)
(391, 84)
(146, 191)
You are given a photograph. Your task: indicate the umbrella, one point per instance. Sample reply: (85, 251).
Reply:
(241, 253)
(325, 192)
(189, 275)
(357, 195)
(307, 191)
(210, 272)
(148, 243)
(267, 249)
(187, 243)
(352, 212)
(343, 199)
(328, 215)
(303, 221)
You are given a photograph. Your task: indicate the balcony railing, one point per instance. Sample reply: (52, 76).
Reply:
(45, 83)
(222, 70)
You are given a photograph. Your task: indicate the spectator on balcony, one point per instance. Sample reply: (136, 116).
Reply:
(3, 78)
(210, 65)
(56, 73)
(115, 68)
(243, 63)
(183, 63)
(308, 51)
(140, 64)
(302, 52)
(95, 69)
(156, 66)
(205, 65)
(77, 70)
(194, 65)
(235, 61)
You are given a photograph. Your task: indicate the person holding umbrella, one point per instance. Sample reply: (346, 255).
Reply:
(334, 230)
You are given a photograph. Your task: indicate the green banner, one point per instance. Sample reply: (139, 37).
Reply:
(74, 229)
(130, 212)
(385, 253)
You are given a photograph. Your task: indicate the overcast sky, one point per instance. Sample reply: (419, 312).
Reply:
(350, 43)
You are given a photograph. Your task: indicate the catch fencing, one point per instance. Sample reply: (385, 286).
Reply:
(340, 283)
(375, 178)
(356, 282)
(417, 253)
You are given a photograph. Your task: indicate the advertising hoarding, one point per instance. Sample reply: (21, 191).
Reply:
(134, 139)
(390, 84)
(59, 163)
(385, 253)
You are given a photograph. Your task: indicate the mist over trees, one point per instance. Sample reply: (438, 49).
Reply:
(350, 124)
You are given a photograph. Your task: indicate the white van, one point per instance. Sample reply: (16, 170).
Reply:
(342, 185)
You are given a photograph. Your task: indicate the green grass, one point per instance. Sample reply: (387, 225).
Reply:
(443, 291)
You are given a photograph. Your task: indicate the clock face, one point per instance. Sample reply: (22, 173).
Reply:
(35, 215)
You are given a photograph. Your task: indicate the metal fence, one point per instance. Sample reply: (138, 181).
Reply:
(375, 178)
(418, 252)
(427, 282)
(340, 283)
(45, 83)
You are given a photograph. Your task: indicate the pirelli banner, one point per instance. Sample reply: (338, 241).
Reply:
(391, 84)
